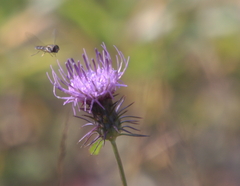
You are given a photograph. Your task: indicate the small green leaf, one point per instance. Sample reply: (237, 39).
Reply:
(96, 147)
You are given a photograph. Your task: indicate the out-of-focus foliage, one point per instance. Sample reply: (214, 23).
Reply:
(183, 77)
(96, 147)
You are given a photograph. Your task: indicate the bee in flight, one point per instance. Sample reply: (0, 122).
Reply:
(52, 49)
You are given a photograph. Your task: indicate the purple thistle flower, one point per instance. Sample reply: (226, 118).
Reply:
(96, 82)
(91, 89)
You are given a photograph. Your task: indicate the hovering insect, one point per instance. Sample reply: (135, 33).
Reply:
(52, 49)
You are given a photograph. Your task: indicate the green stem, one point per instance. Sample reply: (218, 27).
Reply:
(119, 162)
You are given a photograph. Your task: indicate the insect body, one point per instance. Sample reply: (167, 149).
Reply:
(51, 49)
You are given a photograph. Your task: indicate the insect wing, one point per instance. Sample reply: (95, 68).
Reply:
(33, 39)
(54, 35)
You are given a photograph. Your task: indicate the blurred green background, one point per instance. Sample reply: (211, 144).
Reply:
(183, 77)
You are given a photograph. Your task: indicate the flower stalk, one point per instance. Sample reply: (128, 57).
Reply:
(119, 162)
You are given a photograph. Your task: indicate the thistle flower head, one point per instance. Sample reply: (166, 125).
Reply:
(89, 84)
(91, 87)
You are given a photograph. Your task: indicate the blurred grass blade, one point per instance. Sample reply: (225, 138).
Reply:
(96, 147)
